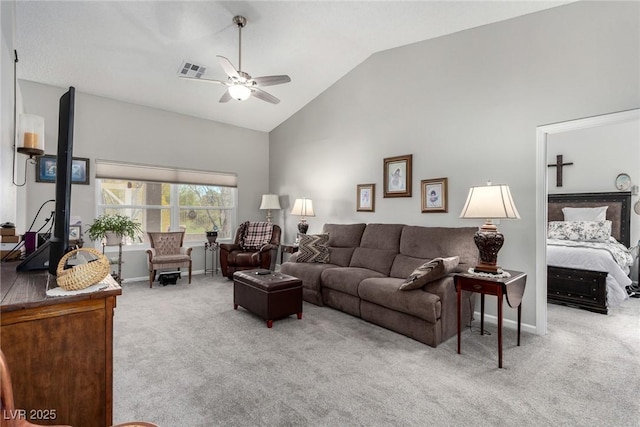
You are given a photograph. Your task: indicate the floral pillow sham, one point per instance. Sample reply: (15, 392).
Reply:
(590, 231)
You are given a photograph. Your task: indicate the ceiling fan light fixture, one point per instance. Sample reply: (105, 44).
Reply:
(239, 92)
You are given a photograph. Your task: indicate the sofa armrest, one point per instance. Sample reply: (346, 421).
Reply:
(268, 247)
(229, 247)
(445, 288)
(150, 254)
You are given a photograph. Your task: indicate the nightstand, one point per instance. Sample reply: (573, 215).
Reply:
(512, 287)
(289, 248)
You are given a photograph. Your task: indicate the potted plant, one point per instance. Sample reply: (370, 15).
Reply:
(113, 227)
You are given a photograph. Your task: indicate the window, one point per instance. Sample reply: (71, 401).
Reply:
(165, 207)
(168, 206)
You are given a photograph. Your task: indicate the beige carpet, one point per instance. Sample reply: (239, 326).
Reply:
(184, 357)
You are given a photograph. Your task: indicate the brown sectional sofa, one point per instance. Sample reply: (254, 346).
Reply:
(369, 262)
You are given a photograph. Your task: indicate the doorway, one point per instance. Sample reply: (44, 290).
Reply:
(543, 135)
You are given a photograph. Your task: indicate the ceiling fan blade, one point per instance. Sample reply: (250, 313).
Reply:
(272, 80)
(260, 94)
(200, 79)
(226, 97)
(228, 67)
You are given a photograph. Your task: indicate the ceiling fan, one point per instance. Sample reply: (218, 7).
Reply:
(239, 83)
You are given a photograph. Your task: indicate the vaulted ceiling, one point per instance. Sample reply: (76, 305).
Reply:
(132, 50)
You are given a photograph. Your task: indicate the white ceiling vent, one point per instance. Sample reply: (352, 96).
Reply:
(191, 70)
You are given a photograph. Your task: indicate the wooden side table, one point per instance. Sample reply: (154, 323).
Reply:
(289, 248)
(512, 287)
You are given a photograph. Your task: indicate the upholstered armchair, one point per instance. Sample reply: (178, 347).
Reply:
(255, 246)
(167, 252)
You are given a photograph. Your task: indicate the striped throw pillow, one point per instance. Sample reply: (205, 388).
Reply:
(432, 270)
(313, 248)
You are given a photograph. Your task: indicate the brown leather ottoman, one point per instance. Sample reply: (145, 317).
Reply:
(271, 296)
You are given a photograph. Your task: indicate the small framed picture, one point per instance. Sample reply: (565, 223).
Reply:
(75, 232)
(46, 169)
(434, 195)
(397, 176)
(366, 198)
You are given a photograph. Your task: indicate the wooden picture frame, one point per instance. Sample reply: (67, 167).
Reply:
(434, 195)
(397, 176)
(366, 198)
(46, 169)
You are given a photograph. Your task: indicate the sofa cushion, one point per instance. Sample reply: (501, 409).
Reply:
(433, 242)
(404, 265)
(373, 259)
(309, 273)
(382, 236)
(313, 248)
(343, 239)
(344, 235)
(346, 279)
(386, 292)
(430, 271)
(378, 247)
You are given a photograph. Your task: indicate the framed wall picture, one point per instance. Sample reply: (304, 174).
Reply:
(434, 195)
(397, 176)
(366, 198)
(46, 169)
(75, 232)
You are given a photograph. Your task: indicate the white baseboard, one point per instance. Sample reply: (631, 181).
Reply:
(146, 278)
(506, 323)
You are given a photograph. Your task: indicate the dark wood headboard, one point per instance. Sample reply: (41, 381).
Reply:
(619, 211)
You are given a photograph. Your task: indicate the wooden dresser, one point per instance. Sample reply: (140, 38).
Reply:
(59, 349)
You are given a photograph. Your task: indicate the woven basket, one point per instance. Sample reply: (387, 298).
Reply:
(84, 275)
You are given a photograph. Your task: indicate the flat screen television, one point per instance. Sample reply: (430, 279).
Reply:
(48, 255)
(60, 238)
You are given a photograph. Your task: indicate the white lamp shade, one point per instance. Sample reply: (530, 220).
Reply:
(303, 207)
(239, 92)
(490, 202)
(270, 201)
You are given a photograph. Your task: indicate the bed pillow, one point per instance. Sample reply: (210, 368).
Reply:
(590, 231)
(585, 214)
(313, 248)
(432, 270)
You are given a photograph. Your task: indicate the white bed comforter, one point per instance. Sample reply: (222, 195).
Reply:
(613, 257)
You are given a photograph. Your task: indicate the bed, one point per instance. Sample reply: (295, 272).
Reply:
(589, 274)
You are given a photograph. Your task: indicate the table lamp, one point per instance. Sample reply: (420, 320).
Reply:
(270, 202)
(303, 207)
(489, 202)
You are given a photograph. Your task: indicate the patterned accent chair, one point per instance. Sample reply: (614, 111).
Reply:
(255, 246)
(167, 252)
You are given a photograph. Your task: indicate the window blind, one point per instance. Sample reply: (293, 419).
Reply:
(106, 169)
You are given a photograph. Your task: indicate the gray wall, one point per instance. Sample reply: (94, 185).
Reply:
(114, 130)
(467, 107)
(8, 211)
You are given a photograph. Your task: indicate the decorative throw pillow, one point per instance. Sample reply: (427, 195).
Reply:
(590, 231)
(585, 214)
(313, 248)
(432, 270)
(257, 235)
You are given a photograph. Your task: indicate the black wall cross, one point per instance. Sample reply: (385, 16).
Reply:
(559, 165)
